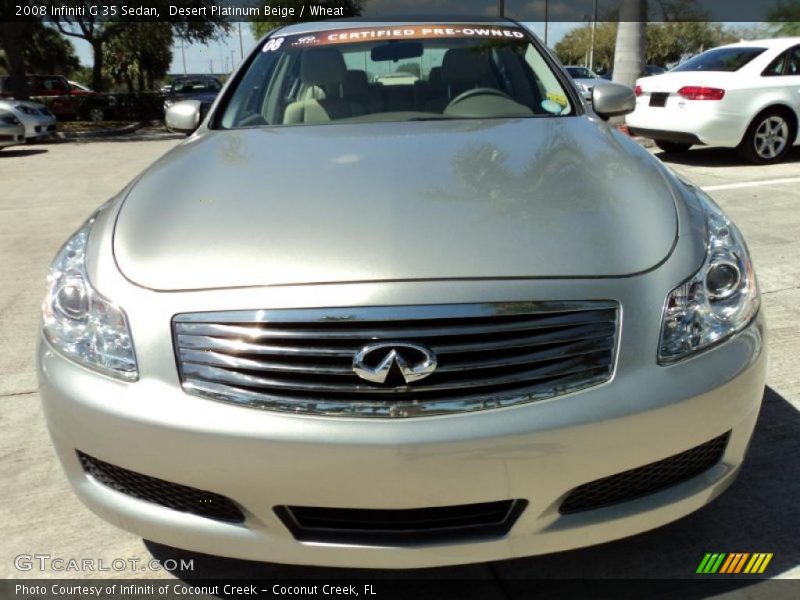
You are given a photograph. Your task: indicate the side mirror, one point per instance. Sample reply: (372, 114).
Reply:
(184, 116)
(613, 100)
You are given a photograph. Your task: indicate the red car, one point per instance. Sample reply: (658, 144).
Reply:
(68, 102)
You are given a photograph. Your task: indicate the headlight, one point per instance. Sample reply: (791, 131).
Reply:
(168, 102)
(10, 120)
(79, 322)
(717, 301)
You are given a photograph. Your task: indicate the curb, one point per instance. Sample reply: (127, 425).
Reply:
(99, 133)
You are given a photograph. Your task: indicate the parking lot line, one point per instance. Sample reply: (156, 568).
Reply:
(747, 184)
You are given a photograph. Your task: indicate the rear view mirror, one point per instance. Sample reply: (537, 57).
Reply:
(395, 51)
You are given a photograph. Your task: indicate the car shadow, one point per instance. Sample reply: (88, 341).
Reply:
(758, 513)
(23, 152)
(700, 156)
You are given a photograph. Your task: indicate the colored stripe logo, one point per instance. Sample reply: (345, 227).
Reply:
(734, 563)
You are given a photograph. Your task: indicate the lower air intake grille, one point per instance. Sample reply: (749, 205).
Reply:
(440, 524)
(170, 495)
(645, 480)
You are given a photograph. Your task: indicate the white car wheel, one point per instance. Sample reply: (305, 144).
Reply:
(768, 138)
(772, 137)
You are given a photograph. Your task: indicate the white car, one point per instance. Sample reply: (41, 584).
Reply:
(744, 96)
(39, 122)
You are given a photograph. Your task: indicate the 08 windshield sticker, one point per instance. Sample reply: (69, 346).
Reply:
(405, 32)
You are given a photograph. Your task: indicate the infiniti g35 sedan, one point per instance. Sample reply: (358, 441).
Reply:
(365, 320)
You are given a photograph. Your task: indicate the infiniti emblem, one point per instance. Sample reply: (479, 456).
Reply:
(375, 362)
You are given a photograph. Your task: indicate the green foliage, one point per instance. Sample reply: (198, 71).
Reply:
(140, 54)
(45, 51)
(785, 18)
(667, 42)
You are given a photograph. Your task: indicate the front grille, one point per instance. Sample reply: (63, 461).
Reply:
(648, 479)
(170, 495)
(489, 356)
(440, 524)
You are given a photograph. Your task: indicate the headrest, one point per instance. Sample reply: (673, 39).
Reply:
(435, 76)
(356, 83)
(464, 65)
(322, 66)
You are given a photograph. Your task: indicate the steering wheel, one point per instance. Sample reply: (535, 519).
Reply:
(481, 91)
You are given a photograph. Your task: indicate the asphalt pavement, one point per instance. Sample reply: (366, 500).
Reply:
(46, 192)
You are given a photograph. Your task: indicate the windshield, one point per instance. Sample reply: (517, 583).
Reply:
(396, 73)
(720, 59)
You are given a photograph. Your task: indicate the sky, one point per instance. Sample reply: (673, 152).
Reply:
(216, 57)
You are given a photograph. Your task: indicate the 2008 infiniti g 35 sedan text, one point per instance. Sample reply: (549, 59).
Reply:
(402, 299)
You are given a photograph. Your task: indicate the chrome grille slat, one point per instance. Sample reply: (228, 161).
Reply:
(222, 360)
(203, 342)
(210, 373)
(489, 355)
(568, 351)
(259, 332)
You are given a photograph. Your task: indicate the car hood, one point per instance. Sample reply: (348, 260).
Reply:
(590, 81)
(537, 197)
(11, 104)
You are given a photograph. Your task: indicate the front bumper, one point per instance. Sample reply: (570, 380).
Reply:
(537, 452)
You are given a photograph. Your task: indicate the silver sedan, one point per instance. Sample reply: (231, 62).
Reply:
(37, 119)
(458, 318)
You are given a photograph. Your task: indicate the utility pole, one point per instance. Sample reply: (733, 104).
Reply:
(241, 46)
(501, 8)
(183, 56)
(233, 59)
(546, 17)
(594, 28)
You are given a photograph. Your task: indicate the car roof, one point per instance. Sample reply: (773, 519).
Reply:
(314, 26)
(779, 42)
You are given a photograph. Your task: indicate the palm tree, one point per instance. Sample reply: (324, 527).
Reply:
(630, 51)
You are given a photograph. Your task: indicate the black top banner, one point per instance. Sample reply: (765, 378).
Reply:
(284, 11)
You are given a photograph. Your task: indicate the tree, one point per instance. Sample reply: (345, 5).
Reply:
(12, 36)
(47, 51)
(785, 18)
(575, 46)
(352, 8)
(141, 54)
(98, 31)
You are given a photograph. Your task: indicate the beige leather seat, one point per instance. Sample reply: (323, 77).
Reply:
(462, 69)
(322, 75)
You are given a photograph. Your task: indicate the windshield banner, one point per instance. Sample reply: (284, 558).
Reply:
(399, 32)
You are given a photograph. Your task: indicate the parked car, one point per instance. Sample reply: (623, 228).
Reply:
(201, 88)
(444, 323)
(79, 87)
(744, 96)
(37, 119)
(648, 71)
(66, 101)
(585, 79)
(12, 131)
